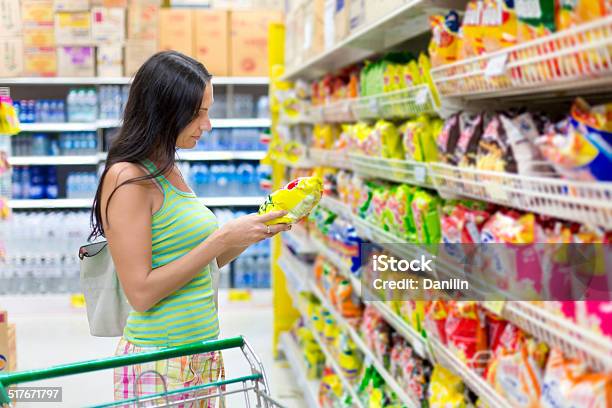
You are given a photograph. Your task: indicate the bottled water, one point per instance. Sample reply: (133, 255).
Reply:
(42, 252)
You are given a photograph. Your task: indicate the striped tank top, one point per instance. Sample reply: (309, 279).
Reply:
(189, 314)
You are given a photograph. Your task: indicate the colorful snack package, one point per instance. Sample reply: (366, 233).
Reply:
(568, 383)
(349, 358)
(536, 18)
(397, 217)
(411, 74)
(465, 332)
(349, 304)
(448, 138)
(517, 375)
(425, 212)
(391, 141)
(298, 197)
(436, 314)
(470, 131)
(471, 31)
(500, 25)
(446, 390)
(426, 78)
(378, 204)
(575, 12)
(444, 44)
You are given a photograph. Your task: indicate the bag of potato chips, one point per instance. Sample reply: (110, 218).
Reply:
(298, 198)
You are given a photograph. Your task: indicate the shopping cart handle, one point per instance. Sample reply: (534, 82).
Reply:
(115, 361)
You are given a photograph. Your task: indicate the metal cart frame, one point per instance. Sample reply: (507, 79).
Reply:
(256, 382)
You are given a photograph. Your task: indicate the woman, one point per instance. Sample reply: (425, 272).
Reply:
(162, 239)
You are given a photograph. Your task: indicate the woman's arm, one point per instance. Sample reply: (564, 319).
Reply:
(229, 255)
(128, 231)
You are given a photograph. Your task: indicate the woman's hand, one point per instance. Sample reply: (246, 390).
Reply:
(250, 229)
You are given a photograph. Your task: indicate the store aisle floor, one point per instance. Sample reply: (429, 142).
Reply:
(50, 332)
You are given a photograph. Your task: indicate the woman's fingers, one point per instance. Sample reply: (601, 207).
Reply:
(271, 216)
(275, 229)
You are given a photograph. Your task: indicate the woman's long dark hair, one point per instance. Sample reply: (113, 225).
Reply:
(165, 96)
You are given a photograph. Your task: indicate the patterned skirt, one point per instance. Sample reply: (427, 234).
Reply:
(177, 373)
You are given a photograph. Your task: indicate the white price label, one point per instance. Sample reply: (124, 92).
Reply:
(374, 105)
(420, 173)
(496, 65)
(421, 96)
(496, 192)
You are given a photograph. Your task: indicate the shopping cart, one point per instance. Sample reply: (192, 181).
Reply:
(254, 386)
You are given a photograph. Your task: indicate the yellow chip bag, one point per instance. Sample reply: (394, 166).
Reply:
(298, 198)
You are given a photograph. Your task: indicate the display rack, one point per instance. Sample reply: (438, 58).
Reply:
(118, 81)
(572, 60)
(86, 203)
(397, 26)
(594, 349)
(299, 241)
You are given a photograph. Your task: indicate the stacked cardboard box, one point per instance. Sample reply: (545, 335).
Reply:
(8, 351)
(11, 39)
(142, 34)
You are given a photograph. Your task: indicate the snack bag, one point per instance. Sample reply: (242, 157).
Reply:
(397, 217)
(349, 304)
(445, 389)
(471, 31)
(444, 45)
(425, 211)
(568, 384)
(380, 194)
(390, 140)
(426, 78)
(470, 130)
(436, 314)
(298, 197)
(517, 375)
(500, 24)
(447, 139)
(349, 358)
(575, 12)
(536, 18)
(465, 332)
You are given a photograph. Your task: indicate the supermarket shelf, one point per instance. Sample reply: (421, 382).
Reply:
(291, 350)
(389, 380)
(119, 81)
(339, 263)
(417, 341)
(296, 271)
(580, 201)
(241, 123)
(113, 123)
(51, 204)
(53, 160)
(87, 202)
(59, 127)
(585, 202)
(329, 158)
(301, 163)
(401, 24)
(399, 171)
(556, 331)
(220, 155)
(299, 241)
(572, 61)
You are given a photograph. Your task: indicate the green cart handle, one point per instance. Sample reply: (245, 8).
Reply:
(114, 362)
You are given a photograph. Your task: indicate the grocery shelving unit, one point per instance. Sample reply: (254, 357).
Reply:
(35, 81)
(291, 350)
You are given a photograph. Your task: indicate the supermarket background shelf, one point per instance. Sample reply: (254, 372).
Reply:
(292, 352)
(573, 60)
(247, 201)
(399, 25)
(53, 160)
(241, 123)
(212, 155)
(299, 241)
(118, 81)
(59, 127)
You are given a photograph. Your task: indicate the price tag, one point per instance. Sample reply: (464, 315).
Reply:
(495, 306)
(421, 96)
(373, 105)
(496, 192)
(496, 65)
(420, 173)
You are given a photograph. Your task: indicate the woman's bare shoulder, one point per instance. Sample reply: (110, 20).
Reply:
(121, 172)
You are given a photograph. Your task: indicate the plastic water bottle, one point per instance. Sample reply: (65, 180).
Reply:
(51, 187)
(91, 103)
(16, 183)
(25, 182)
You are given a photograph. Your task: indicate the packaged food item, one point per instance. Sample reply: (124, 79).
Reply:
(349, 304)
(425, 213)
(575, 12)
(444, 44)
(536, 18)
(446, 389)
(499, 24)
(424, 68)
(397, 216)
(580, 146)
(465, 332)
(595, 316)
(380, 194)
(517, 374)
(471, 31)
(436, 314)
(330, 389)
(349, 358)
(470, 131)
(298, 198)
(390, 137)
(568, 383)
(448, 138)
